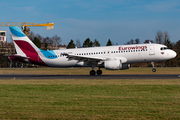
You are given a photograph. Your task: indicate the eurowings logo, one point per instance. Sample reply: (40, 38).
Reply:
(162, 53)
(133, 48)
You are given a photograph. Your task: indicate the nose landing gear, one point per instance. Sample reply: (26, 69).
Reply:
(154, 69)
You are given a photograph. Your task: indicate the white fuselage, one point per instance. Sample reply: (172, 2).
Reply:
(136, 53)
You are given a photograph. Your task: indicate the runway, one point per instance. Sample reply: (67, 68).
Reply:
(129, 76)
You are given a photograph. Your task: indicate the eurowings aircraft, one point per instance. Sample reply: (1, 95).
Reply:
(109, 57)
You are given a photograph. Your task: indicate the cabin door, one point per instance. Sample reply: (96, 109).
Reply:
(151, 50)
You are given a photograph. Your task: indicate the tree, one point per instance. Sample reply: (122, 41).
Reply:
(88, 43)
(46, 46)
(78, 43)
(37, 42)
(167, 42)
(159, 37)
(71, 44)
(96, 43)
(46, 40)
(130, 42)
(109, 43)
(31, 35)
(177, 49)
(56, 40)
(147, 41)
(137, 41)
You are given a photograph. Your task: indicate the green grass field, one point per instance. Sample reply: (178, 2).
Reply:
(90, 99)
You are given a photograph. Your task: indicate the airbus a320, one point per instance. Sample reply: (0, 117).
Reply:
(109, 57)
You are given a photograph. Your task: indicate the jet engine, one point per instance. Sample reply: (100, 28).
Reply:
(115, 65)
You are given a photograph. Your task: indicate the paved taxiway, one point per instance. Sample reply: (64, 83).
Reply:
(170, 76)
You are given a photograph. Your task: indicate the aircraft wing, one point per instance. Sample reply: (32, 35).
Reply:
(86, 59)
(93, 60)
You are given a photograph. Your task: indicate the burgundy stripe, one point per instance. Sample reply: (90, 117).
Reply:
(30, 52)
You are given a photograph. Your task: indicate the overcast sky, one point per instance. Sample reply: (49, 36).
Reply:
(118, 20)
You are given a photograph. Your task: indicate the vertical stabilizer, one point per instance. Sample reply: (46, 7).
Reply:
(22, 43)
(25, 47)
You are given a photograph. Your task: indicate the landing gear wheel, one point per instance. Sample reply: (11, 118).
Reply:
(154, 70)
(92, 72)
(99, 72)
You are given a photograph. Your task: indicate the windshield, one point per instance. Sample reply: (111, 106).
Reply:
(164, 48)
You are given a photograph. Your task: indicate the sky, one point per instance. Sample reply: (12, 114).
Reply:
(118, 20)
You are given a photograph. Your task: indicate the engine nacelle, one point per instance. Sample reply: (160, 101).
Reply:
(115, 65)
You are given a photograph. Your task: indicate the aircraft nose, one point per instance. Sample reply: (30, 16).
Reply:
(173, 54)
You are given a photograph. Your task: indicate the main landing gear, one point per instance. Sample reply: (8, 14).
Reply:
(154, 69)
(93, 72)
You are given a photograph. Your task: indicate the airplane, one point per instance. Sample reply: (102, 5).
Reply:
(109, 57)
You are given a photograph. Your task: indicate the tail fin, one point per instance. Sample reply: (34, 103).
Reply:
(25, 47)
(22, 43)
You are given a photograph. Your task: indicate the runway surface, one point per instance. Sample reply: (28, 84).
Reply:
(131, 76)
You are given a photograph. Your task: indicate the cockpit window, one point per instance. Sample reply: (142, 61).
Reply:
(164, 48)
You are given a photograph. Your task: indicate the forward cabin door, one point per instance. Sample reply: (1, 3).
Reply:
(151, 50)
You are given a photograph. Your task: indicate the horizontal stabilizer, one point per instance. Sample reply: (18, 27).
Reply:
(16, 56)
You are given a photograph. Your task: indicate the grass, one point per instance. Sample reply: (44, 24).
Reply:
(90, 99)
(85, 71)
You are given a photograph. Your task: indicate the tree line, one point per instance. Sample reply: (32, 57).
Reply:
(87, 43)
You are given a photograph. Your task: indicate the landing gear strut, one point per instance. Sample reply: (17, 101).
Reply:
(154, 69)
(92, 72)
